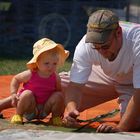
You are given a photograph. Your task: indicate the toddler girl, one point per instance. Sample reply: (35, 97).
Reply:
(41, 92)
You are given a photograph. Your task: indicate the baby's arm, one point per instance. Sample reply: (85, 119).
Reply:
(22, 77)
(58, 83)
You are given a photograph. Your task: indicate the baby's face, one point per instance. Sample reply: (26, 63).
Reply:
(47, 64)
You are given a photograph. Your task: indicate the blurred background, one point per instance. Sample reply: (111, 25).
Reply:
(22, 22)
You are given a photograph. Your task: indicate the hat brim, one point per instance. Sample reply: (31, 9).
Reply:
(64, 55)
(97, 37)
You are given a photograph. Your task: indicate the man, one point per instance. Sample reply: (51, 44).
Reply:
(106, 65)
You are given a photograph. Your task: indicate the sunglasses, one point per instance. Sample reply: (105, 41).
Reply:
(104, 46)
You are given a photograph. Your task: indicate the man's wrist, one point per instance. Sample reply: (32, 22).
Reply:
(71, 106)
(122, 128)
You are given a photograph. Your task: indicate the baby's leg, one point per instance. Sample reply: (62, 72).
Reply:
(26, 103)
(55, 105)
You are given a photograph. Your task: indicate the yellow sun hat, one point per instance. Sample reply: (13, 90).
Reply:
(43, 45)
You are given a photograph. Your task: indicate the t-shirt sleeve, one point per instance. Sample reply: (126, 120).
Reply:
(136, 74)
(136, 68)
(82, 63)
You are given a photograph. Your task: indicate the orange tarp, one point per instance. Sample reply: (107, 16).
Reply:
(87, 114)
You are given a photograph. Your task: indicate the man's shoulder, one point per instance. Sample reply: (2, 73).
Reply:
(128, 24)
(130, 30)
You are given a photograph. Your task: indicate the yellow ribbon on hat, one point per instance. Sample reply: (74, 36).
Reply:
(102, 26)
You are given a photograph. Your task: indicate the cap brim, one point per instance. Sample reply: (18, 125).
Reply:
(97, 37)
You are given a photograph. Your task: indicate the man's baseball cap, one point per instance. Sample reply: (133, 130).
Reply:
(100, 25)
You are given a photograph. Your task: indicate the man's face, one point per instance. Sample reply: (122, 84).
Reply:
(109, 49)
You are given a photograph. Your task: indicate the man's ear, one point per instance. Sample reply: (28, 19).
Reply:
(119, 32)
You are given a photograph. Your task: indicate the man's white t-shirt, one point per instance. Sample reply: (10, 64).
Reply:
(125, 69)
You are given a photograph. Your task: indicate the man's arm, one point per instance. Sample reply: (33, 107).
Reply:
(73, 96)
(73, 100)
(129, 121)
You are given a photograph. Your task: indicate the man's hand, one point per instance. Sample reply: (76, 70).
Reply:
(104, 128)
(71, 118)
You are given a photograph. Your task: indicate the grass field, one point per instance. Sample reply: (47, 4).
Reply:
(40, 125)
(14, 66)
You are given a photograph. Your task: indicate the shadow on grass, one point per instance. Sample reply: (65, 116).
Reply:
(41, 125)
(47, 126)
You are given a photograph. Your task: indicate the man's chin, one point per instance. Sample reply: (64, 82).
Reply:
(106, 57)
(111, 58)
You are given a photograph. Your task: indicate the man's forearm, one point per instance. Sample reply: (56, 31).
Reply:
(73, 97)
(72, 101)
(131, 115)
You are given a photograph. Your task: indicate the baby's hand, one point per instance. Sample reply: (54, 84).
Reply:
(15, 99)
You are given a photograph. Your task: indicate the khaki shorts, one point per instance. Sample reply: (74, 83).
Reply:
(34, 115)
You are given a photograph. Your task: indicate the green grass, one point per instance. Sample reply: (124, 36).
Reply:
(35, 125)
(14, 66)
